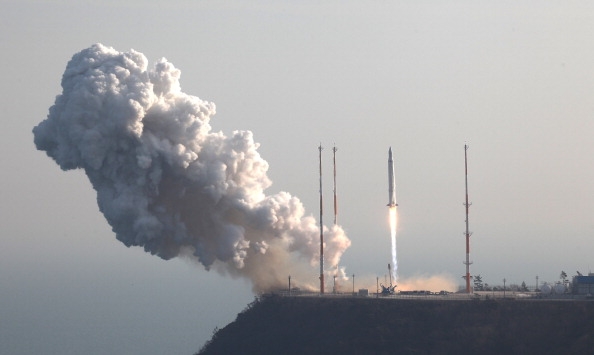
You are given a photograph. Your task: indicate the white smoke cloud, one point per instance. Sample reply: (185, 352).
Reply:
(165, 181)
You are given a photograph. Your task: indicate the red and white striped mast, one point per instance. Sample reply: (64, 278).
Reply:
(334, 149)
(321, 228)
(467, 277)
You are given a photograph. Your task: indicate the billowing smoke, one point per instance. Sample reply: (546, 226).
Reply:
(165, 181)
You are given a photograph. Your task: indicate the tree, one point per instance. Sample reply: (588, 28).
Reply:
(478, 283)
(523, 288)
(563, 277)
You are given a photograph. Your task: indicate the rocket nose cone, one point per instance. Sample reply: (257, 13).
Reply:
(390, 152)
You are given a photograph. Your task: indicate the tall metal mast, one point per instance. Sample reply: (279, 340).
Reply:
(467, 277)
(321, 228)
(334, 149)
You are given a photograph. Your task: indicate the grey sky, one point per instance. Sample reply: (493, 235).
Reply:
(513, 79)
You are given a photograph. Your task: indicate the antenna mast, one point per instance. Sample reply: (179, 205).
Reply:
(467, 277)
(321, 228)
(334, 149)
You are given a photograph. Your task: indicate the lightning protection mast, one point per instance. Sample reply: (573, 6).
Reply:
(334, 149)
(321, 228)
(467, 277)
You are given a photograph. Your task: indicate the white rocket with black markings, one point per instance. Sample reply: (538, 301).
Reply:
(391, 181)
(392, 214)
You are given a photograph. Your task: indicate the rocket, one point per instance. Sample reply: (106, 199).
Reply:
(391, 181)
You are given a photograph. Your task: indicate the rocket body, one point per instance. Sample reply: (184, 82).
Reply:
(391, 181)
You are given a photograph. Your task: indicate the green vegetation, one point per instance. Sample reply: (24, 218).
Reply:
(312, 325)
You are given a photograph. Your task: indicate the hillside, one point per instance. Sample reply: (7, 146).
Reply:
(311, 325)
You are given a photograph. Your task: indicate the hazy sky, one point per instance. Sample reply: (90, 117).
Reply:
(515, 80)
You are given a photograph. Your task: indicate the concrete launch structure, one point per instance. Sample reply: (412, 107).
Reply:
(391, 181)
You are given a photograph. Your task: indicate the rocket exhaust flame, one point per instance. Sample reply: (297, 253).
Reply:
(392, 211)
(393, 227)
(169, 184)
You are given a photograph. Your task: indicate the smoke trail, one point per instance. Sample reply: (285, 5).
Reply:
(393, 227)
(166, 182)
